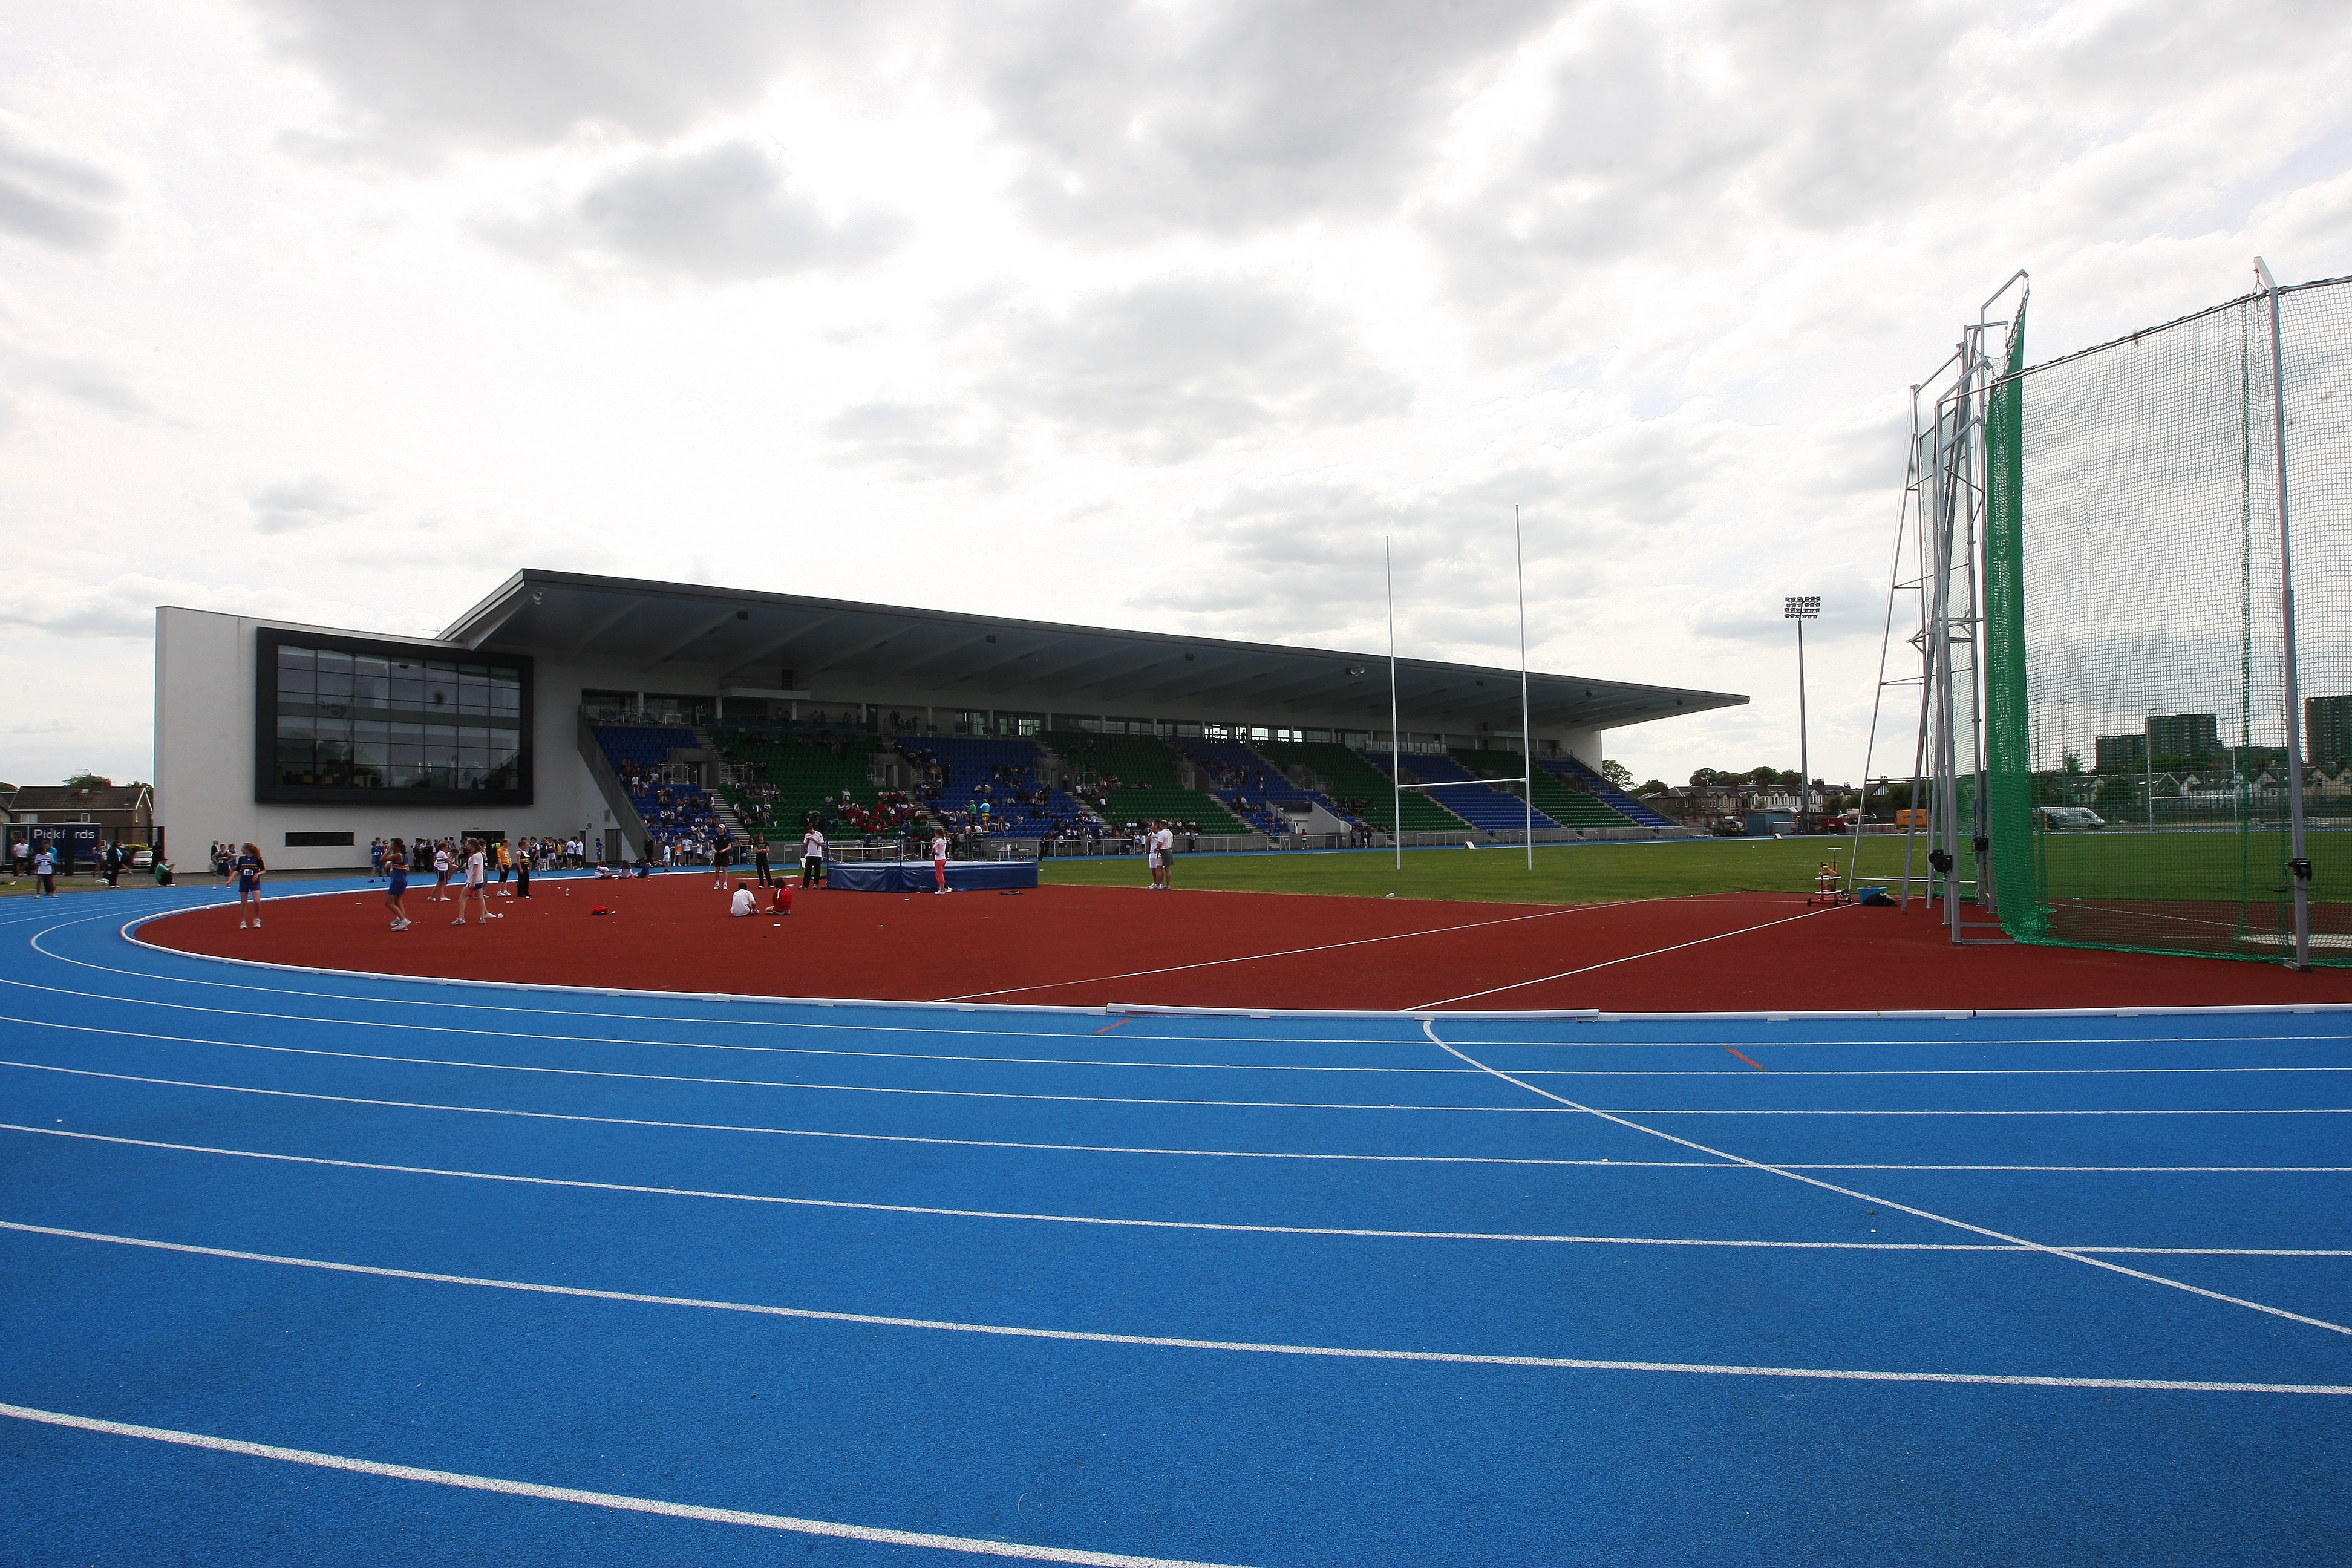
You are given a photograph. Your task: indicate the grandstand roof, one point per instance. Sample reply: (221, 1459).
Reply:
(704, 634)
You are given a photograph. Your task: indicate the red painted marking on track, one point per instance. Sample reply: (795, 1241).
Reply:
(1751, 1061)
(1213, 949)
(1107, 1028)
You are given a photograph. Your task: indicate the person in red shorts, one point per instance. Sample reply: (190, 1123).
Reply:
(939, 861)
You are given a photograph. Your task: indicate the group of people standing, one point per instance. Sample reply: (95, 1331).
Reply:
(1160, 853)
(470, 861)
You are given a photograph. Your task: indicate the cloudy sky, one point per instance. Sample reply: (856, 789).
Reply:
(1153, 314)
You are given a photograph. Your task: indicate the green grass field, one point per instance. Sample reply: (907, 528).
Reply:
(1564, 874)
(2193, 867)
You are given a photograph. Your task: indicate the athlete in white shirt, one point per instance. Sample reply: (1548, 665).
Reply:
(812, 858)
(743, 902)
(477, 885)
(939, 862)
(1163, 855)
(1151, 851)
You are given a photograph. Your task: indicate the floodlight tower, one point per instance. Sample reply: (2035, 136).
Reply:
(1800, 611)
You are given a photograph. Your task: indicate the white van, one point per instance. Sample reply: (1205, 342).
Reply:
(2068, 819)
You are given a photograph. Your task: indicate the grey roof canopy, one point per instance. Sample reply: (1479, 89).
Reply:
(672, 633)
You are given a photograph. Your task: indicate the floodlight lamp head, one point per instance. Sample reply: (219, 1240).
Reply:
(1804, 609)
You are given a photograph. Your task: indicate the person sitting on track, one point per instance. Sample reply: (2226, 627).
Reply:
(744, 902)
(779, 897)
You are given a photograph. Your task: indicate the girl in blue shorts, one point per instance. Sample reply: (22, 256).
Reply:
(395, 887)
(249, 872)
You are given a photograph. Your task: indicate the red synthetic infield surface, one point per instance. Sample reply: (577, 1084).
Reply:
(1088, 946)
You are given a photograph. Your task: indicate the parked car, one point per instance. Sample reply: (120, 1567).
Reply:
(2068, 819)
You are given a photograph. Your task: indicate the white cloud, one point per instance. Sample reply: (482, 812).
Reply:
(714, 214)
(54, 200)
(297, 505)
(124, 605)
(1175, 367)
(413, 78)
(1132, 118)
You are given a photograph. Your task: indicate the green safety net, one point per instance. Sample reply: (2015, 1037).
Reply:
(2137, 743)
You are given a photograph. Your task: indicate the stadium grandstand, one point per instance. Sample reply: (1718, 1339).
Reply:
(646, 716)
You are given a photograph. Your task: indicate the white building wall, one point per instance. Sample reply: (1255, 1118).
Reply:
(1584, 745)
(205, 670)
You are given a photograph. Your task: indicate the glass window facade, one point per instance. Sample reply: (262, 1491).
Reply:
(348, 721)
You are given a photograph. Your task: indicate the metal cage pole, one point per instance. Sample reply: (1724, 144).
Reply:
(2299, 859)
(1945, 832)
(1527, 730)
(1396, 760)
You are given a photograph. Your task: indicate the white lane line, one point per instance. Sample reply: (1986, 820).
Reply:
(1168, 1341)
(602, 1040)
(1105, 1148)
(606, 1500)
(1135, 1224)
(2263, 1110)
(1294, 952)
(912, 1323)
(738, 1082)
(507, 1033)
(1056, 1098)
(1903, 1209)
(931, 1212)
(1110, 1148)
(559, 997)
(558, 1000)
(2103, 1170)
(1630, 958)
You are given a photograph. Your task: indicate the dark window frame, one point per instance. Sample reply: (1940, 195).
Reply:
(266, 790)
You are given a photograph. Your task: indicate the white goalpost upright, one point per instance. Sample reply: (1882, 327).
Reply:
(1526, 781)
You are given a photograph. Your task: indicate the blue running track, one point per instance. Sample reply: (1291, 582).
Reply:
(305, 1269)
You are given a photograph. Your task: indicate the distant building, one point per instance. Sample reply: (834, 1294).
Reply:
(2120, 753)
(2328, 730)
(2184, 734)
(125, 811)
